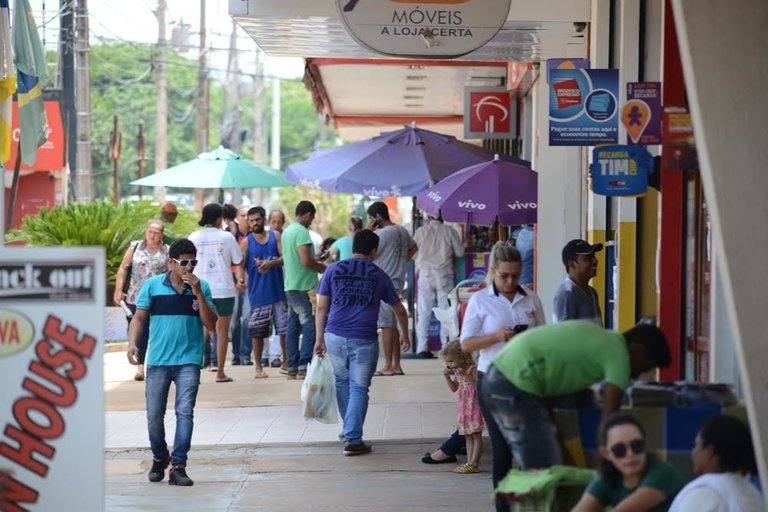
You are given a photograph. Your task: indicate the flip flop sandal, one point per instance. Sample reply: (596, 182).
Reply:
(225, 379)
(465, 468)
(261, 375)
(381, 374)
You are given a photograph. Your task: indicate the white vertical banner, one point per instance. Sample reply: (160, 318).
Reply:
(51, 362)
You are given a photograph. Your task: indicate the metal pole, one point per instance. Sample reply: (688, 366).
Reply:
(67, 51)
(114, 155)
(83, 104)
(161, 119)
(140, 155)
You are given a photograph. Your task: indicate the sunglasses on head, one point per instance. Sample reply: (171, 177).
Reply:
(620, 450)
(184, 263)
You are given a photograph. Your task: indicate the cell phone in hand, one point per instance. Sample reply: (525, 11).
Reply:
(520, 327)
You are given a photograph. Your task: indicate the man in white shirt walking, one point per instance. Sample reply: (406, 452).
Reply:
(438, 246)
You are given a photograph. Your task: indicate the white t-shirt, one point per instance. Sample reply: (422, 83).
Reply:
(719, 492)
(217, 251)
(488, 313)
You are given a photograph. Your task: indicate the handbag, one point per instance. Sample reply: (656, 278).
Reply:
(129, 270)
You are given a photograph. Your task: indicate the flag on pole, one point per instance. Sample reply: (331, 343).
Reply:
(7, 82)
(31, 74)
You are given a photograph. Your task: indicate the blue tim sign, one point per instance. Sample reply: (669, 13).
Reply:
(620, 170)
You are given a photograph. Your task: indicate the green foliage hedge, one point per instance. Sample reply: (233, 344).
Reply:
(98, 223)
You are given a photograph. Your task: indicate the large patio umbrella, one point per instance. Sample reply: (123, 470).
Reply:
(482, 193)
(398, 163)
(220, 168)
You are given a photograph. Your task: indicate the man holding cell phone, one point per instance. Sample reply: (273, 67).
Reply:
(177, 305)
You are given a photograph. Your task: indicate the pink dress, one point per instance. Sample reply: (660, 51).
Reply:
(470, 418)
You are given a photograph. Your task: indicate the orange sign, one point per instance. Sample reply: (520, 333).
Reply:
(50, 156)
(635, 116)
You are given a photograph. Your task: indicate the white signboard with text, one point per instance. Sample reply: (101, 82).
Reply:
(51, 362)
(426, 28)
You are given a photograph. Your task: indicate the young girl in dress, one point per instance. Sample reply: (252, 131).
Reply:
(461, 376)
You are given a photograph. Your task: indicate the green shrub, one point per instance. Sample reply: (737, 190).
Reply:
(99, 223)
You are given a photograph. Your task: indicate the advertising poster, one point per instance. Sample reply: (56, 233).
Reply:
(52, 403)
(641, 114)
(620, 170)
(583, 107)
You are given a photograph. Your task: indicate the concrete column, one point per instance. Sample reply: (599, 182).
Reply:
(729, 114)
(599, 49)
(626, 246)
(560, 204)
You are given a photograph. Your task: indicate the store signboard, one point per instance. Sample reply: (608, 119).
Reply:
(50, 156)
(678, 126)
(425, 28)
(489, 113)
(641, 114)
(620, 170)
(51, 352)
(583, 107)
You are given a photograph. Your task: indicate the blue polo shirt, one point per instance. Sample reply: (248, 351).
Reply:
(175, 329)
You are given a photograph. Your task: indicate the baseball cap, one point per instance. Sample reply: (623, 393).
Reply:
(579, 247)
(169, 208)
(211, 213)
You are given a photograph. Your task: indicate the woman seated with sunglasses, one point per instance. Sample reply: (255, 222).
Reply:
(629, 480)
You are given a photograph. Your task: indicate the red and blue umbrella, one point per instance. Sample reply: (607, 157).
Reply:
(398, 163)
(484, 192)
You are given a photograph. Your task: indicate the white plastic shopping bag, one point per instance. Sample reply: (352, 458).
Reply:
(319, 392)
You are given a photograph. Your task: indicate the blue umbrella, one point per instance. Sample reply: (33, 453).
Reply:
(482, 193)
(398, 163)
(220, 168)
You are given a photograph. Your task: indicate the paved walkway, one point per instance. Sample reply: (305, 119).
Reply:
(253, 451)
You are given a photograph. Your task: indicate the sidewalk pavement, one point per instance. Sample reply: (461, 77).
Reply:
(253, 451)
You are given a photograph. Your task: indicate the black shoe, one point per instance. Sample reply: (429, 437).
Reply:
(426, 354)
(356, 449)
(178, 476)
(235, 362)
(265, 362)
(247, 362)
(275, 363)
(301, 374)
(427, 459)
(157, 473)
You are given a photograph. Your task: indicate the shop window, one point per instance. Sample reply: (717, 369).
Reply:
(698, 273)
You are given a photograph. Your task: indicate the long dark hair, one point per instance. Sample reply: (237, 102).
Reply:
(731, 442)
(607, 470)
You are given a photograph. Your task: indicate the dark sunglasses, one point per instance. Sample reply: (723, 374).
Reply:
(184, 263)
(620, 450)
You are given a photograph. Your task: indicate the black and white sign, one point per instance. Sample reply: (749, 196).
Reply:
(427, 28)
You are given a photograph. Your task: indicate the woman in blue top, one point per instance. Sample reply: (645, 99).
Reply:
(342, 248)
(629, 479)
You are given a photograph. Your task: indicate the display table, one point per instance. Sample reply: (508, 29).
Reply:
(670, 431)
